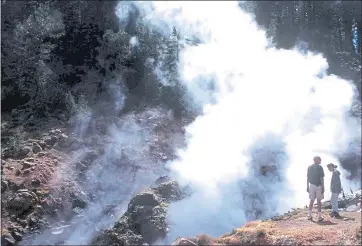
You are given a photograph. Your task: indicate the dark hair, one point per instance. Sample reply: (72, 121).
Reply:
(332, 165)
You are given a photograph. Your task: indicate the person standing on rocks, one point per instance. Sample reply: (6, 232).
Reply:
(315, 186)
(336, 188)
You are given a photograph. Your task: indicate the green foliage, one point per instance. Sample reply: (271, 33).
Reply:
(55, 47)
(114, 51)
(325, 25)
(27, 54)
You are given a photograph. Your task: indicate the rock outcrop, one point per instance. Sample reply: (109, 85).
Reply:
(349, 203)
(145, 219)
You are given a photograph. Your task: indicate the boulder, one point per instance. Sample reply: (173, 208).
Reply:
(17, 172)
(183, 241)
(17, 235)
(18, 152)
(42, 144)
(4, 185)
(353, 208)
(36, 182)
(36, 148)
(27, 165)
(160, 180)
(79, 203)
(348, 200)
(50, 141)
(144, 222)
(26, 172)
(71, 143)
(169, 191)
(22, 201)
(7, 240)
(147, 198)
(23, 151)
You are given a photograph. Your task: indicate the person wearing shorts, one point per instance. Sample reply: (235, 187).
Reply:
(315, 186)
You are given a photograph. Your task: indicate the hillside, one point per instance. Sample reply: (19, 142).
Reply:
(137, 123)
(45, 183)
(290, 229)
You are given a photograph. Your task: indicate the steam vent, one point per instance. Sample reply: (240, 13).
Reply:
(180, 122)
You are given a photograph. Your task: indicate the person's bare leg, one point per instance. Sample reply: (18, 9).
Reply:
(319, 203)
(310, 209)
(311, 202)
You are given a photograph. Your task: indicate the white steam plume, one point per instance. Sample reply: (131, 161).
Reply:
(281, 100)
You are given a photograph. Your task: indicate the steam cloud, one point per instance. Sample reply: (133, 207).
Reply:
(273, 106)
(267, 106)
(125, 166)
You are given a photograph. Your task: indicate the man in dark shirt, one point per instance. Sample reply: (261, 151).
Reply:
(315, 186)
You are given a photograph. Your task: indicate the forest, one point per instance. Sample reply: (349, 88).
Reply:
(55, 53)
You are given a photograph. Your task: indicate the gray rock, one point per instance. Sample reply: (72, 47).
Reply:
(75, 145)
(79, 203)
(17, 235)
(183, 241)
(353, 208)
(4, 185)
(36, 182)
(147, 198)
(36, 148)
(90, 156)
(7, 240)
(26, 172)
(32, 220)
(160, 180)
(41, 154)
(21, 202)
(17, 172)
(69, 142)
(50, 141)
(42, 144)
(27, 165)
(23, 151)
(169, 191)
(18, 152)
(286, 241)
(144, 222)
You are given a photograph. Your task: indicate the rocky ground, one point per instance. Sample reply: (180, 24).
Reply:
(293, 228)
(144, 222)
(48, 168)
(51, 172)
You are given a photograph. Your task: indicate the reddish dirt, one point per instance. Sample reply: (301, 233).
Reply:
(45, 169)
(294, 229)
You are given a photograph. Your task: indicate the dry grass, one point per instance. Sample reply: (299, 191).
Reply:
(294, 229)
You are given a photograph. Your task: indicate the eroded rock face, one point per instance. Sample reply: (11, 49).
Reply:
(18, 152)
(22, 201)
(145, 219)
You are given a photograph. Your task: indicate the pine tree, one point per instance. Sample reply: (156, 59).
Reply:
(31, 48)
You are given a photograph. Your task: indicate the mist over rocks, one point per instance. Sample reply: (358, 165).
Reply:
(145, 219)
(101, 99)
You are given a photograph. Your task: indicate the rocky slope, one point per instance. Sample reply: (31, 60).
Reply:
(293, 228)
(51, 174)
(46, 189)
(145, 219)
